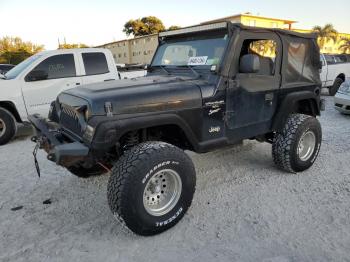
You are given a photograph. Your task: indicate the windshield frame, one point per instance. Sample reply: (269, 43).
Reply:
(18, 69)
(192, 37)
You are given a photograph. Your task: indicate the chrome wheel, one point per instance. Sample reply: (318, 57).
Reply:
(2, 127)
(162, 192)
(306, 146)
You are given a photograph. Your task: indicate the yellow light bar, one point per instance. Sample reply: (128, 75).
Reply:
(194, 29)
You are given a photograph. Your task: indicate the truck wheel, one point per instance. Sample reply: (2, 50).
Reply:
(83, 172)
(334, 88)
(151, 187)
(296, 147)
(8, 126)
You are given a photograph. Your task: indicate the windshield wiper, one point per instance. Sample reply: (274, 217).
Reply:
(191, 68)
(163, 68)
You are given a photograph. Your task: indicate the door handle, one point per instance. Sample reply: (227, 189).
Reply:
(77, 84)
(109, 80)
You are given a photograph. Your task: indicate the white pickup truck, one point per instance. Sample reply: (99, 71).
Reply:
(333, 73)
(31, 86)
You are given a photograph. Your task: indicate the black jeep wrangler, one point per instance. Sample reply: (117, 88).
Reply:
(207, 87)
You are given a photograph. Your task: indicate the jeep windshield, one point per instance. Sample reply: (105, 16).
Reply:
(201, 51)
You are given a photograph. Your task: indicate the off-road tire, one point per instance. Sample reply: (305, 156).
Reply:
(334, 88)
(82, 172)
(10, 126)
(132, 173)
(285, 143)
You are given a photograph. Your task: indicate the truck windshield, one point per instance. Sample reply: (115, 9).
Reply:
(14, 72)
(191, 51)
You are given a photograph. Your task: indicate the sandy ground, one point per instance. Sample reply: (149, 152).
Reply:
(244, 209)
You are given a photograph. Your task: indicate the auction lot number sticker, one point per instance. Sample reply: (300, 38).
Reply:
(197, 60)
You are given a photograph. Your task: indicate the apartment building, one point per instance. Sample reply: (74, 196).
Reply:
(140, 50)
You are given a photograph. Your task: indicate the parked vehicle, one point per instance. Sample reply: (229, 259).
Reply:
(342, 98)
(334, 71)
(344, 58)
(131, 70)
(31, 86)
(208, 86)
(4, 68)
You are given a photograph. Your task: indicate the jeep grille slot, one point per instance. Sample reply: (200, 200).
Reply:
(70, 120)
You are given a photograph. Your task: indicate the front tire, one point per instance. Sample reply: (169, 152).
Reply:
(151, 187)
(8, 126)
(296, 147)
(334, 88)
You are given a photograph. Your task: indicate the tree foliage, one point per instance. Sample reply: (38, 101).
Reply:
(144, 26)
(173, 27)
(325, 34)
(70, 46)
(14, 50)
(345, 46)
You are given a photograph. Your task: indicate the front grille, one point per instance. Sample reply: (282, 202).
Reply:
(69, 119)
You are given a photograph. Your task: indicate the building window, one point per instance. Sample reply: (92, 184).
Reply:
(114, 56)
(251, 22)
(119, 55)
(124, 54)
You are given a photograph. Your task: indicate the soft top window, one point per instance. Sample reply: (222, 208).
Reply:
(301, 61)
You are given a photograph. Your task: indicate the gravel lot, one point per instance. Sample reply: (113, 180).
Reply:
(244, 209)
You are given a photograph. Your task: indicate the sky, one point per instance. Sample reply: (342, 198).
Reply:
(101, 21)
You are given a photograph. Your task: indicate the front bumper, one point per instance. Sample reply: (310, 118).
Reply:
(342, 103)
(61, 148)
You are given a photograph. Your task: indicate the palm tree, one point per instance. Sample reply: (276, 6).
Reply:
(325, 34)
(345, 47)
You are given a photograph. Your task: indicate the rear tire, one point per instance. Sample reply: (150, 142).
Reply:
(151, 187)
(296, 147)
(8, 126)
(334, 88)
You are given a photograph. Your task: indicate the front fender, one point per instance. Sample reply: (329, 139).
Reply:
(110, 131)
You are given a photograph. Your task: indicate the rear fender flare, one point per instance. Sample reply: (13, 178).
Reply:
(289, 105)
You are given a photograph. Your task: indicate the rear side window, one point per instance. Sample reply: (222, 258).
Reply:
(58, 66)
(300, 67)
(95, 63)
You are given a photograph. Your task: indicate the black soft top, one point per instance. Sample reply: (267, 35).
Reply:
(232, 26)
(275, 30)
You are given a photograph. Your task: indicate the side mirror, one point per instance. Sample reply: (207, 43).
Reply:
(36, 75)
(249, 64)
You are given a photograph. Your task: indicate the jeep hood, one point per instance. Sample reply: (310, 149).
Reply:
(139, 95)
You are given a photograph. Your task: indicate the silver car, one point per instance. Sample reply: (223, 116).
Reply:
(342, 98)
